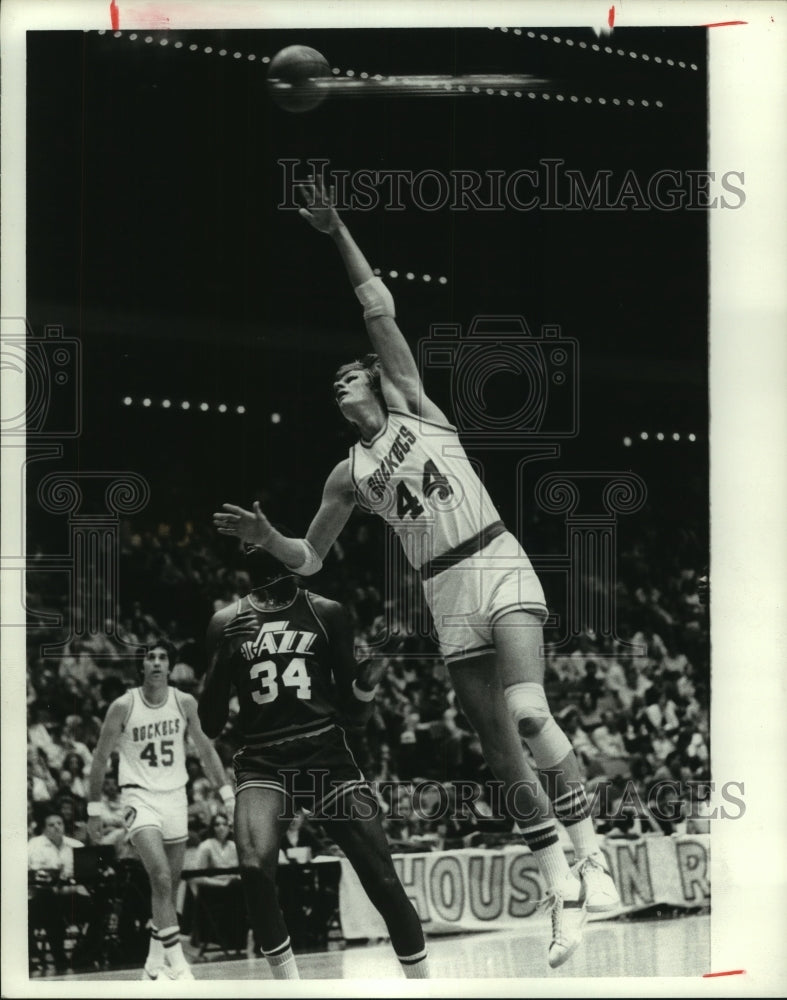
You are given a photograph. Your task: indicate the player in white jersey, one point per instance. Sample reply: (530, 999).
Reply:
(148, 726)
(486, 601)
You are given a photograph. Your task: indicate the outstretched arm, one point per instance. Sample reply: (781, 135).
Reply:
(356, 683)
(302, 555)
(401, 383)
(211, 762)
(214, 701)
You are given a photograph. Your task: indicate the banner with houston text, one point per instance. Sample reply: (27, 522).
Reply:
(476, 889)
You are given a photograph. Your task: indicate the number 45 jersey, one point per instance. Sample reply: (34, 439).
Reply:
(152, 745)
(282, 668)
(416, 475)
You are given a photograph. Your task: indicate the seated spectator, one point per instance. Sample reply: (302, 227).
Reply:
(661, 711)
(54, 898)
(72, 745)
(592, 683)
(589, 713)
(113, 825)
(43, 731)
(82, 730)
(201, 808)
(77, 664)
(609, 739)
(43, 786)
(637, 684)
(673, 662)
(587, 752)
(615, 677)
(73, 812)
(303, 840)
(218, 850)
(74, 765)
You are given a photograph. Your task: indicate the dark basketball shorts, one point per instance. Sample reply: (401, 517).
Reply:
(315, 772)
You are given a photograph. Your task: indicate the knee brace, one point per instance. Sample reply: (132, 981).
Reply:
(550, 745)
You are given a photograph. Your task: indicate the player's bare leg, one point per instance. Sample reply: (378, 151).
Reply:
(163, 865)
(518, 639)
(259, 826)
(480, 693)
(363, 840)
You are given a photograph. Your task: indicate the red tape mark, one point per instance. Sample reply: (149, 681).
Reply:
(114, 15)
(723, 24)
(611, 17)
(734, 972)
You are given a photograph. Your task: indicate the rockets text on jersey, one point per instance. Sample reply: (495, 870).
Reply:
(152, 745)
(416, 475)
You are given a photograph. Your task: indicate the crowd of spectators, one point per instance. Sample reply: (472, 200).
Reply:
(635, 706)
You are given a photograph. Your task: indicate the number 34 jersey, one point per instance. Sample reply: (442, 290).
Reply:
(416, 475)
(281, 663)
(152, 745)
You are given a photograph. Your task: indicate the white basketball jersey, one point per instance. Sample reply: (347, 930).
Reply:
(416, 475)
(152, 746)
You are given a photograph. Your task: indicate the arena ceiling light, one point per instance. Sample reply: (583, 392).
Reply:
(661, 436)
(166, 404)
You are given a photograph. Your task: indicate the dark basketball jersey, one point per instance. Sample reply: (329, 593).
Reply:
(281, 666)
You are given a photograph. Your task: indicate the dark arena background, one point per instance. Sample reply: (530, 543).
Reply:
(203, 321)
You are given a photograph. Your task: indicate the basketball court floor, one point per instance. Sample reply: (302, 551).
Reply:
(678, 947)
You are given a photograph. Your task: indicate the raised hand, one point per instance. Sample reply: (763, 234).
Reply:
(251, 526)
(321, 213)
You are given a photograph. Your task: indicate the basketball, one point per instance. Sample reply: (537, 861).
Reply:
(290, 77)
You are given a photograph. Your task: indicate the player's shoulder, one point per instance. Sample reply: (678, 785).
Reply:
(326, 608)
(122, 702)
(183, 698)
(224, 615)
(222, 618)
(119, 710)
(426, 413)
(186, 703)
(340, 477)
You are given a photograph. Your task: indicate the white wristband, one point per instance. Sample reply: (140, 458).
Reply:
(94, 809)
(363, 695)
(375, 299)
(311, 561)
(227, 793)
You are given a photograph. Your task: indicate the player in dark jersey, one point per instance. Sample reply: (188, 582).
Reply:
(288, 653)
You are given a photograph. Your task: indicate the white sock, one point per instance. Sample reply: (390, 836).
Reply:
(573, 811)
(282, 961)
(155, 957)
(544, 843)
(170, 939)
(583, 837)
(415, 966)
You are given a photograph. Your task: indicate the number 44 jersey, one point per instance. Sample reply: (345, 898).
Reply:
(416, 475)
(282, 664)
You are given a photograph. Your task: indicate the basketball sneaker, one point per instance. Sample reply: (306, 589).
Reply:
(184, 972)
(154, 972)
(602, 895)
(569, 912)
